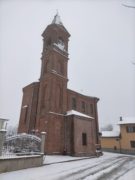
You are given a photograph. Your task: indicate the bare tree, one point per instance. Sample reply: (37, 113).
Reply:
(128, 6)
(12, 130)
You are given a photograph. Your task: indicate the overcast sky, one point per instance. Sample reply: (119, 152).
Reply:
(101, 52)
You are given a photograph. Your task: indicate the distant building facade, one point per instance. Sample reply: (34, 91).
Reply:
(69, 118)
(110, 141)
(122, 141)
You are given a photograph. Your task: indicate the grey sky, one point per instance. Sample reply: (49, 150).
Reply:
(101, 51)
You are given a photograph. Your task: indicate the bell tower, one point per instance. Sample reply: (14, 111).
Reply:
(53, 78)
(55, 48)
(52, 99)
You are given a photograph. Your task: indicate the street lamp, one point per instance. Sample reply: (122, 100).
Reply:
(118, 139)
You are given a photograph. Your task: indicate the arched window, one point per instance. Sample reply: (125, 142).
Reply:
(43, 97)
(60, 67)
(61, 41)
(84, 139)
(49, 42)
(61, 44)
(58, 97)
(74, 103)
(83, 107)
(91, 108)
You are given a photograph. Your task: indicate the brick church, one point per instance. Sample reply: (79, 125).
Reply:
(69, 118)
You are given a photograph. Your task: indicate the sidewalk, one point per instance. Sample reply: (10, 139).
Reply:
(53, 159)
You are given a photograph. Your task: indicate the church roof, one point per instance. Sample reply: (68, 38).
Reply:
(56, 23)
(57, 20)
(73, 112)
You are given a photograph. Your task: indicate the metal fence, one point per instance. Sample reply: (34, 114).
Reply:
(21, 144)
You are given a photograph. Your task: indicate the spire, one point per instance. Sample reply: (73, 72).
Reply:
(57, 19)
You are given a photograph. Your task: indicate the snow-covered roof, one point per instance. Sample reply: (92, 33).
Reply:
(73, 112)
(110, 133)
(127, 120)
(57, 20)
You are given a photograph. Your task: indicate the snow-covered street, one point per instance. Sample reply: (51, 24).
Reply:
(110, 166)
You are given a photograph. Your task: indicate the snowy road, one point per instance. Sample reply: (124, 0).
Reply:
(108, 167)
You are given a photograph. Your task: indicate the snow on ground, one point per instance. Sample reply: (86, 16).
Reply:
(52, 159)
(107, 167)
(129, 175)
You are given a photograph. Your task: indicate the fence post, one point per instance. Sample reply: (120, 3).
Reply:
(43, 134)
(2, 137)
(2, 133)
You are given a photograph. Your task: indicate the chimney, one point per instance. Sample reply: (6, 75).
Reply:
(120, 118)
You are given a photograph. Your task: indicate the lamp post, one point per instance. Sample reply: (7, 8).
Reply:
(3, 125)
(118, 139)
(43, 134)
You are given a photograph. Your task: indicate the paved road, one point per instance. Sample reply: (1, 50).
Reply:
(107, 169)
(116, 169)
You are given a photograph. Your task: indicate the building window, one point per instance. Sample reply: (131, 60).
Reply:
(132, 144)
(24, 112)
(91, 108)
(84, 139)
(61, 41)
(73, 103)
(60, 68)
(130, 129)
(49, 41)
(43, 97)
(83, 106)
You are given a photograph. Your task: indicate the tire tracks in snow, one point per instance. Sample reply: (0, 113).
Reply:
(110, 173)
(120, 171)
(90, 171)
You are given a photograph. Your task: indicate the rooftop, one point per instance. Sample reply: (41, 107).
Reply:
(57, 19)
(110, 133)
(73, 112)
(127, 120)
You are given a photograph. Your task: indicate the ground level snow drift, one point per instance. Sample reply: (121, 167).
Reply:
(110, 166)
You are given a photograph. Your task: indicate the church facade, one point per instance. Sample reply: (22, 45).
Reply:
(70, 119)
